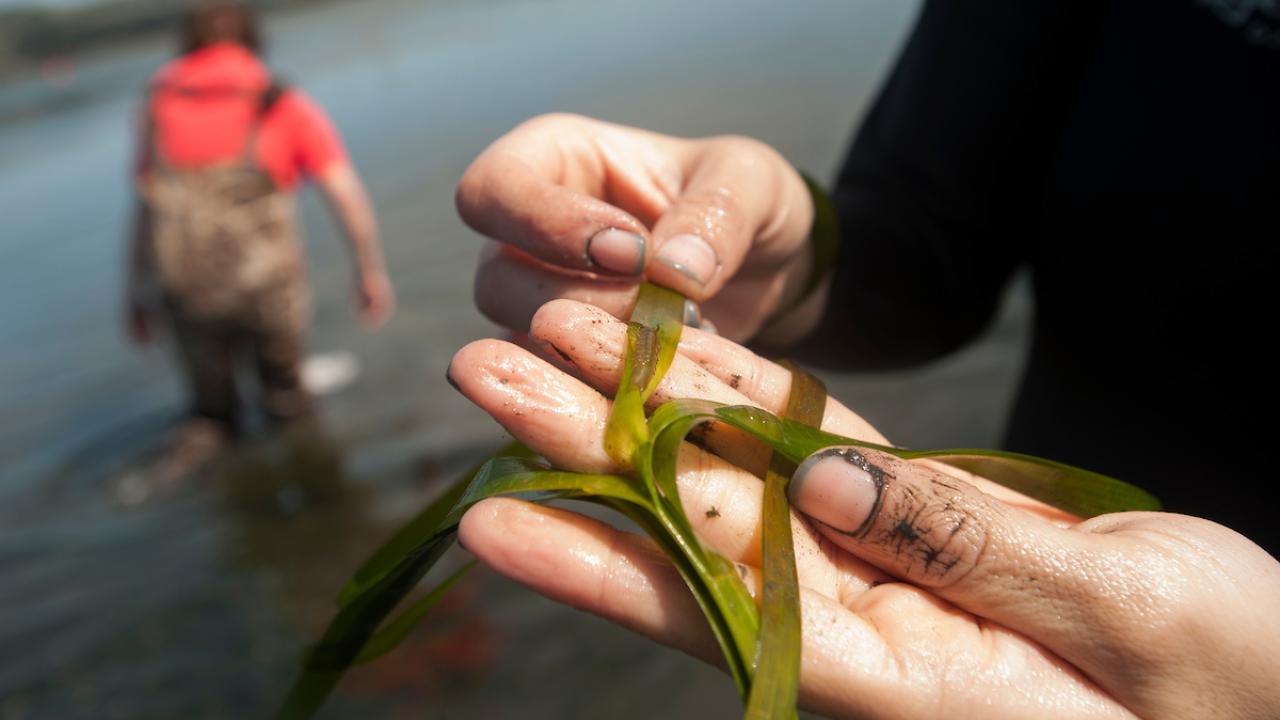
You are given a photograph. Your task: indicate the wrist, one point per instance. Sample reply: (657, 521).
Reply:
(371, 270)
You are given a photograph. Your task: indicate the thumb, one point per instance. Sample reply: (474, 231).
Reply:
(742, 204)
(945, 535)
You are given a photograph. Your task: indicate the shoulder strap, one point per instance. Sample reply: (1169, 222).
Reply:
(266, 100)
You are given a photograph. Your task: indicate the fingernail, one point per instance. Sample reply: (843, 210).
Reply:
(692, 315)
(744, 573)
(690, 256)
(617, 250)
(448, 376)
(838, 487)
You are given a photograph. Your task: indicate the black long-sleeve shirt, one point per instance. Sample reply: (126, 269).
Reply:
(1129, 153)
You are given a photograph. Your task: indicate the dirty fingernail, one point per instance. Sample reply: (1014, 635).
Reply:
(837, 487)
(617, 250)
(691, 256)
(692, 315)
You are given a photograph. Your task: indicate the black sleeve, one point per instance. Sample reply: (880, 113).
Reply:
(939, 190)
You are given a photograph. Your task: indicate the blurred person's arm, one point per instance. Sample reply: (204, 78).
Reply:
(320, 155)
(943, 180)
(350, 204)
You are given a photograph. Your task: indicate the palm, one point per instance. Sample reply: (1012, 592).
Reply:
(867, 639)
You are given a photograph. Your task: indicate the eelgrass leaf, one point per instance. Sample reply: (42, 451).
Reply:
(1075, 490)
(649, 497)
(536, 481)
(668, 427)
(416, 531)
(357, 621)
(663, 310)
(715, 585)
(324, 663)
(625, 431)
(393, 633)
(653, 334)
(657, 322)
(1080, 492)
(776, 685)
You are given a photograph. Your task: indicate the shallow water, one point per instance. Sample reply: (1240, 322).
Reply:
(195, 602)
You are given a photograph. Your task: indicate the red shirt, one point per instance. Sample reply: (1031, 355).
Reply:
(211, 124)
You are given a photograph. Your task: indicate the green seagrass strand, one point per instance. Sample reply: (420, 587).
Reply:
(1073, 489)
(652, 337)
(416, 531)
(776, 686)
(353, 634)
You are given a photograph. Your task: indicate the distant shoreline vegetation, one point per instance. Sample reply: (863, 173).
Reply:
(30, 36)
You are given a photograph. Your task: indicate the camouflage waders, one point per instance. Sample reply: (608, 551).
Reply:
(224, 250)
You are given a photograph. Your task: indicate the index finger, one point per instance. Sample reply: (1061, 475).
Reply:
(572, 191)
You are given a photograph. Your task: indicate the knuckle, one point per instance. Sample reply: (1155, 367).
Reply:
(552, 120)
(749, 155)
(744, 146)
(1142, 585)
(714, 212)
(472, 186)
(1143, 608)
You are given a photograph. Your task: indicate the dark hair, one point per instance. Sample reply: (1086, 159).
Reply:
(214, 21)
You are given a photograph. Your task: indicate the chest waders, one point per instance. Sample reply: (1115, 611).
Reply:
(223, 248)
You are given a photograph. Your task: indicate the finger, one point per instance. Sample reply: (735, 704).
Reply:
(534, 401)
(948, 537)
(511, 285)
(590, 566)
(711, 367)
(546, 188)
(902, 653)
(707, 367)
(740, 198)
(622, 577)
(590, 343)
(562, 419)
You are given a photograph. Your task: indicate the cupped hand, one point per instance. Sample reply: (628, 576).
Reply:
(924, 593)
(582, 209)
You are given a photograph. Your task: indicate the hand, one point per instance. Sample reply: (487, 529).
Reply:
(375, 298)
(583, 208)
(1172, 616)
(139, 323)
(1022, 613)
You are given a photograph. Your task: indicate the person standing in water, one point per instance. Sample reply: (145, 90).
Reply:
(215, 247)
